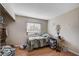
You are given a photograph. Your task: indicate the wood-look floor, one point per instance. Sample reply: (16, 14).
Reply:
(42, 52)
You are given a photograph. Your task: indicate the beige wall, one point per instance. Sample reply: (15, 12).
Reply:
(69, 28)
(17, 32)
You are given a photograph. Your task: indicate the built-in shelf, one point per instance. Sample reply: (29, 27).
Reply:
(4, 21)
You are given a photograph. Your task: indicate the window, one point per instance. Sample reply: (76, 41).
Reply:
(34, 27)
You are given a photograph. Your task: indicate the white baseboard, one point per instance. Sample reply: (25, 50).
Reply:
(73, 52)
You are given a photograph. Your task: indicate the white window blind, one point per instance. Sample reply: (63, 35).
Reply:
(33, 27)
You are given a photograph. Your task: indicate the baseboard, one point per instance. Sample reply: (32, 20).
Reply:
(73, 52)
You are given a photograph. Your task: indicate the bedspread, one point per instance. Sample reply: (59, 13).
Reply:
(36, 42)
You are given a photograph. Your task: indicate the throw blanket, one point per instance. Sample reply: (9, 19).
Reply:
(7, 51)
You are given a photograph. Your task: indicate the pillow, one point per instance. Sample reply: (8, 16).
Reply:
(33, 34)
(45, 35)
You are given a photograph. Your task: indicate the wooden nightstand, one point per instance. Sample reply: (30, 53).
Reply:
(60, 44)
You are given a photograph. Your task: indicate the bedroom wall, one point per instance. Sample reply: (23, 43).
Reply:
(16, 31)
(69, 23)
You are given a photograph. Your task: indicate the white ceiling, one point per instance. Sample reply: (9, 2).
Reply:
(42, 10)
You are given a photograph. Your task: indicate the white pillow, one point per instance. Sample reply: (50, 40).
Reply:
(45, 35)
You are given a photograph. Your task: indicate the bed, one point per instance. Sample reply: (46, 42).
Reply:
(37, 41)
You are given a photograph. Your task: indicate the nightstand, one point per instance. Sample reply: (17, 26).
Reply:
(60, 44)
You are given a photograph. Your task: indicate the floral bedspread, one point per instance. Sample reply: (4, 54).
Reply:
(37, 42)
